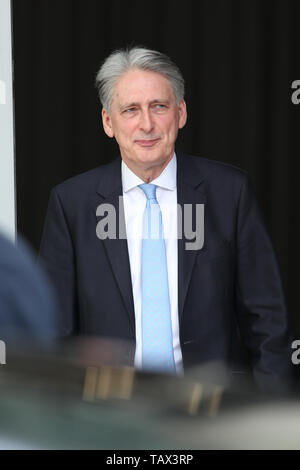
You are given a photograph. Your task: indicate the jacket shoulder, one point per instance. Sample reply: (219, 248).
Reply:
(209, 167)
(86, 182)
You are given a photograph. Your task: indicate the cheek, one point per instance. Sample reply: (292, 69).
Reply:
(127, 130)
(172, 131)
(170, 125)
(122, 133)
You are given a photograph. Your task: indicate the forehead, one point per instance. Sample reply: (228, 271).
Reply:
(141, 85)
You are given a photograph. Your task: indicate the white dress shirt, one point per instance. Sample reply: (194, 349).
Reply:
(134, 206)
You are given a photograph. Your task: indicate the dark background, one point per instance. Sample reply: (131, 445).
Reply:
(239, 59)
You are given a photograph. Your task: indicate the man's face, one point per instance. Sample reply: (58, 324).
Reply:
(144, 119)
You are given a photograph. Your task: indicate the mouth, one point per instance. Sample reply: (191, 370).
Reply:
(147, 142)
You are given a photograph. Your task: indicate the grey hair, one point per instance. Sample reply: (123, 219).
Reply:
(122, 60)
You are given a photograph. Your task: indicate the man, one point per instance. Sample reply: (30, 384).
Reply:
(220, 301)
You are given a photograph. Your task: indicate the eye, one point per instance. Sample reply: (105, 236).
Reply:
(159, 107)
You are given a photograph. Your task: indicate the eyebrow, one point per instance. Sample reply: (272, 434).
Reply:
(134, 103)
(129, 105)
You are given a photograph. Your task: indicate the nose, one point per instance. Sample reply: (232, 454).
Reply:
(146, 123)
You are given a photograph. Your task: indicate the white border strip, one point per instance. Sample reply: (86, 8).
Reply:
(7, 167)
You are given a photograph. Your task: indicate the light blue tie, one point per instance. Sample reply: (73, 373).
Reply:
(157, 342)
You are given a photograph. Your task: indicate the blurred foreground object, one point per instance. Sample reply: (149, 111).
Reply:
(27, 306)
(84, 395)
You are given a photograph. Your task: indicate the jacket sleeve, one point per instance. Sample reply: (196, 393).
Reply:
(261, 307)
(57, 258)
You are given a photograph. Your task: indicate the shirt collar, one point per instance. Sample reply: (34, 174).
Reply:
(166, 180)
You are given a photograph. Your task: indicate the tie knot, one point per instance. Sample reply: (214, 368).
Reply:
(149, 190)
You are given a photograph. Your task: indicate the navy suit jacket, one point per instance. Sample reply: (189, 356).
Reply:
(231, 302)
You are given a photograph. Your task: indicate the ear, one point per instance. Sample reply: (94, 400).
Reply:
(182, 114)
(107, 125)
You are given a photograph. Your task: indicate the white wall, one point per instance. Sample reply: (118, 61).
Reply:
(7, 174)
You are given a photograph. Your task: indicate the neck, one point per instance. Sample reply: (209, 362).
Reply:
(151, 173)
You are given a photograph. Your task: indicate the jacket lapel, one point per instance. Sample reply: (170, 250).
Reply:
(109, 190)
(189, 191)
